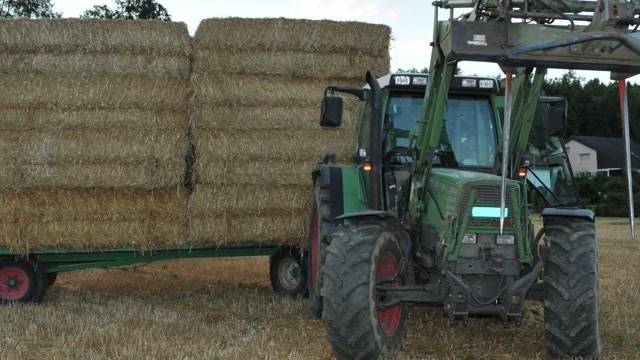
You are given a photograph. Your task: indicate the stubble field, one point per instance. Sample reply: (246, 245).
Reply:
(225, 309)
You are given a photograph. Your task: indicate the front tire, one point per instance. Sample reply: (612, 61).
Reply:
(571, 289)
(359, 257)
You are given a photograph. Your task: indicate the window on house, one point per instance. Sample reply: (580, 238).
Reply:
(584, 158)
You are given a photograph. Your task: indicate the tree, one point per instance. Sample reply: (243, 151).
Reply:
(27, 9)
(413, 70)
(129, 10)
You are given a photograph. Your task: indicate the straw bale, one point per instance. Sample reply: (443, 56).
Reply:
(264, 117)
(93, 92)
(145, 174)
(294, 145)
(262, 230)
(235, 200)
(94, 36)
(93, 218)
(287, 63)
(95, 64)
(293, 35)
(270, 172)
(132, 119)
(113, 145)
(256, 90)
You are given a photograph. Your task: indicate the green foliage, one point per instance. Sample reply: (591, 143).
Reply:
(130, 10)
(32, 9)
(607, 194)
(413, 71)
(594, 106)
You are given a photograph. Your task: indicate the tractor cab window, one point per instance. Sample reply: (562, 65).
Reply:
(401, 118)
(549, 171)
(468, 137)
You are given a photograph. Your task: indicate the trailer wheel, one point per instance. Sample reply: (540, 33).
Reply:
(571, 289)
(287, 273)
(319, 223)
(21, 281)
(360, 257)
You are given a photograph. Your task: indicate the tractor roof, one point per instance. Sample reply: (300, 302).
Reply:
(418, 82)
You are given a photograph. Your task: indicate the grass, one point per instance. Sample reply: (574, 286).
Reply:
(224, 309)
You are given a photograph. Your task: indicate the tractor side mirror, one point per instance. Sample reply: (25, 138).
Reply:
(557, 120)
(331, 112)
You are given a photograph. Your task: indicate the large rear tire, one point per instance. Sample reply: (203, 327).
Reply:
(319, 228)
(359, 257)
(571, 289)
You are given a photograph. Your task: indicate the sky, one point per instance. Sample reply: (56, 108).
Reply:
(411, 22)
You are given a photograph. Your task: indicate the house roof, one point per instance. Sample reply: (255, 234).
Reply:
(610, 151)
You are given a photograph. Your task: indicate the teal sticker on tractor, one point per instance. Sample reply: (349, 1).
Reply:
(488, 212)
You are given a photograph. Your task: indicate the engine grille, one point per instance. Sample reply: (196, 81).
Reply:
(487, 195)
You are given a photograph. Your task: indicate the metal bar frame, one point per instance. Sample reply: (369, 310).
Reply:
(59, 260)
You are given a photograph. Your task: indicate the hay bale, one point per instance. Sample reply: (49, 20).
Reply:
(95, 64)
(94, 36)
(268, 172)
(92, 219)
(293, 35)
(256, 90)
(294, 145)
(96, 119)
(283, 118)
(247, 200)
(145, 174)
(288, 63)
(247, 230)
(93, 92)
(88, 145)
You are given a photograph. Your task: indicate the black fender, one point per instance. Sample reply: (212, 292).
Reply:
(569, 212)
(329, 177)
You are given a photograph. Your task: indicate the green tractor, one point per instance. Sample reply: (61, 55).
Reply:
(434, 208)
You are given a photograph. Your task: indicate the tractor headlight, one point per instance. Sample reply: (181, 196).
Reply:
(402, 80)
(486, 84)
(469, 83)
(469, 239)
(420, 80)
(506, 239)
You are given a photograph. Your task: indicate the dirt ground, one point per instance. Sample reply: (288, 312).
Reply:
(225, 309)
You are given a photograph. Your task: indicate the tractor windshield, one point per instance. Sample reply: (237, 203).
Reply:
(468, 137)
(401, 118)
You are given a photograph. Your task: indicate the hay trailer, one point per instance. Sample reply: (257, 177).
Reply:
(26, 278)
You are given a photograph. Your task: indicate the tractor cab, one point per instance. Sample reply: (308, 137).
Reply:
(469, 138)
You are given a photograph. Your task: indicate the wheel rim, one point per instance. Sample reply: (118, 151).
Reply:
(290, 274)
(389, 318)
(315, 249)
(14, 283)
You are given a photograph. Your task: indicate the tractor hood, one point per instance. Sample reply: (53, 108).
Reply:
(454, 190)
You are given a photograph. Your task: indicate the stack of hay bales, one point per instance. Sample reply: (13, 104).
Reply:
(93, 125)
(255, 120)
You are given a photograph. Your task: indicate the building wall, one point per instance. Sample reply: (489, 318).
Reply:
(583, 159)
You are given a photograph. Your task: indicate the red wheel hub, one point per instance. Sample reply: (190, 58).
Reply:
(14, 283)
(315, 249)
(389, 318)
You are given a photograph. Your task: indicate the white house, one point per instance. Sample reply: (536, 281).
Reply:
(596, 154)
